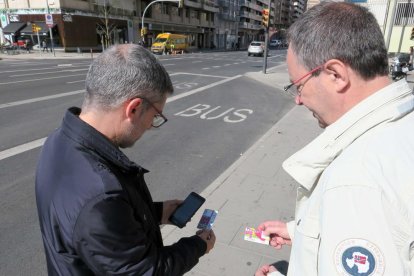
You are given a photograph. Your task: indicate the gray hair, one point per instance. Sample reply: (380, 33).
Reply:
(124, 72)
(343, 31)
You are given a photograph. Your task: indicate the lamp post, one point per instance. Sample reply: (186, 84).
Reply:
(153, 2)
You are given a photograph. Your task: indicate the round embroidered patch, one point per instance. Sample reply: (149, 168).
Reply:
(358, 257)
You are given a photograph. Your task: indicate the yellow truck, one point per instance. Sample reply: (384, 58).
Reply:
(169, 43)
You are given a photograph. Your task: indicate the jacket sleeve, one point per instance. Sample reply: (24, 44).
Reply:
(111, 240)
(158, 210)
(358, 234)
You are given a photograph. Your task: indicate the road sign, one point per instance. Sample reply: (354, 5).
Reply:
(49, 20)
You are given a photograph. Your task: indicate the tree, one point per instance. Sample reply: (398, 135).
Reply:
(106, 29)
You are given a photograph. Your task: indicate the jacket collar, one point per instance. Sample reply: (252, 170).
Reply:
(92, 139)
(390, 103)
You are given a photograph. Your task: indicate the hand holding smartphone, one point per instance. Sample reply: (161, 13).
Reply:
(187, 209)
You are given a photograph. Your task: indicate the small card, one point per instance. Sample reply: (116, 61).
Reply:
(253, 235)
(207, 219)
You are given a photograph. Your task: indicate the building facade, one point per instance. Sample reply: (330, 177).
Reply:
(83, 25)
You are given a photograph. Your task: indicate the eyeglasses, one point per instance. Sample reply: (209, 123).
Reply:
(159, 119)
(294, 89)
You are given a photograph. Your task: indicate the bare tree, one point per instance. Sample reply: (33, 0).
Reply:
(106, 29)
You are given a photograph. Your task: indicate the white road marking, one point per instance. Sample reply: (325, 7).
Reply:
(39, 142)
(202, 75)
(22, 148)
(205, 68)
(53, 72)
(33, 100)
(75, 81)
(40, 69)
(11, 82)
(182, 95)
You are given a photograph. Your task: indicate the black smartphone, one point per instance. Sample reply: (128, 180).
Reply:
(187, 209)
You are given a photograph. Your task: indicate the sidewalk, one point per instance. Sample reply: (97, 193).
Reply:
(254, 189)
(59, 54)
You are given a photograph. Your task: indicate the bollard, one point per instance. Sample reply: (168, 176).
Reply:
(91, 54)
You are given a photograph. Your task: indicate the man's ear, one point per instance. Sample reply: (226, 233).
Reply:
(338, 74)
(132, 107)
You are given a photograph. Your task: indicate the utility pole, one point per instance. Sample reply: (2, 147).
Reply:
(52, 46)
(265, 23)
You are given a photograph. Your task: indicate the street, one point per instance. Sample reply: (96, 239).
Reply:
(215, 114)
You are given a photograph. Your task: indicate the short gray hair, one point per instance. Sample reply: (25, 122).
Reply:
(343, 31)
(124, 72)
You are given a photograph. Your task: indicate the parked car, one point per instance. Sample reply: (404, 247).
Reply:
(256, 48)
(275, 43)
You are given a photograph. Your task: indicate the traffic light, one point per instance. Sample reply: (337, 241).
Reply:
(265, 18)
(144, 31)
(412, 34)
(180, 3)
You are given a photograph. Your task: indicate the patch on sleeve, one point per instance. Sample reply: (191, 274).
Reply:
(358, 257)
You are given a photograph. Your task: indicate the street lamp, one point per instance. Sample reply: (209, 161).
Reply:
(180, 5)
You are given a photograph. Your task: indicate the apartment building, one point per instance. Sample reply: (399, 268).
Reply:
(94, 24)
(90, 24)
(227, 32)
(299, 7)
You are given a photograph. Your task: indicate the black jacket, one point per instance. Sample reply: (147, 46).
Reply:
(96, 213)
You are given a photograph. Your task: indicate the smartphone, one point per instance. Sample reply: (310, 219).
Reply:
(187, 209)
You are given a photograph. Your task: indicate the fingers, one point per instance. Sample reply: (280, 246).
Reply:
(262, 271)
(209, 237)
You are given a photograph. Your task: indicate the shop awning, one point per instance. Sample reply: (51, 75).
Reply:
(29, 31)
(13, 27)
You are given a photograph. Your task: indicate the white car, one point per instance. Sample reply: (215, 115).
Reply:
(256, 48)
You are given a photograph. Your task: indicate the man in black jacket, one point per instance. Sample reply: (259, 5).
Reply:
(96, 214)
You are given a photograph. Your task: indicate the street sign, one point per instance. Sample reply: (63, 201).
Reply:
(49, 20)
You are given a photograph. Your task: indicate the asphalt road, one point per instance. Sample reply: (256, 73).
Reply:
(215, 114)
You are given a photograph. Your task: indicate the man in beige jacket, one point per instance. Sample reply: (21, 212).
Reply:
(355, 211)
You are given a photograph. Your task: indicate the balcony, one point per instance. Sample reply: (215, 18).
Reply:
(250, 26)
(224, 3)
(192, 4)
(228, 17)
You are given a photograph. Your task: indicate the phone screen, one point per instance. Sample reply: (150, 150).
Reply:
(187, 209)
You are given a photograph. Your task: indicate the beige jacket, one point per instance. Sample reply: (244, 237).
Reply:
(355, 203)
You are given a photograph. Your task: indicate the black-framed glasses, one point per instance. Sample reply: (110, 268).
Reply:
(159, 119)
(294, 89)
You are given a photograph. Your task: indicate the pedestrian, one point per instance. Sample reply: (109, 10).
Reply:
(44, 46)
(97, 216)
(354, 210)
(26, 46)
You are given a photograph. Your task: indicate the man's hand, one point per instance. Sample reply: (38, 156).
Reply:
(209, 237)
(168, 208)
(264, 270)
(277, 231)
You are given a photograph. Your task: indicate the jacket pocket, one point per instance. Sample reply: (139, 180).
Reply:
(308, 227)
